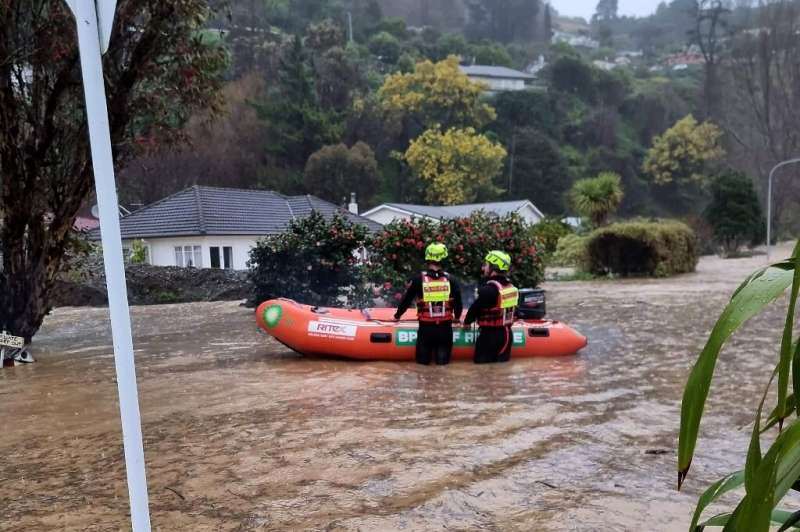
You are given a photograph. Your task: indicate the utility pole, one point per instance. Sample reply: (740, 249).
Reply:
(511, 162)
(349, 27)
(94, 19)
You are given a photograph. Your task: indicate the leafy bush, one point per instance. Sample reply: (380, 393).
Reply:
(768, 476)
(548, 232)
(657, 249)
(138, 252)
(572, 252)
(398, 252)
(313, 261)
(734, 212)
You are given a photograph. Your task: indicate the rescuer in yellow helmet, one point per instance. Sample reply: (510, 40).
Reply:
(494, 310)
(438, 298)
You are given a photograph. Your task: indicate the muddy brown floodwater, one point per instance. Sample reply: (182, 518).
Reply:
(241, 434)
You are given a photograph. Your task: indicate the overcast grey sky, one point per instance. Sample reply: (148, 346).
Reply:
(585, 8)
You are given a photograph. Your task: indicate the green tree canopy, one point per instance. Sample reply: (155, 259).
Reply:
(385, 46)
(335, 171)
(158, 71)
(458, 165)
(436, 93)
(734, 212)
(296, 122)
(683, 152)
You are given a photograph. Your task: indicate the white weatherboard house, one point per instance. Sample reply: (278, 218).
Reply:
(207, 227)
(499, 78)
(389, 212)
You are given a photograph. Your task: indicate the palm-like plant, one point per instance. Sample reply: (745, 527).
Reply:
(597, 198)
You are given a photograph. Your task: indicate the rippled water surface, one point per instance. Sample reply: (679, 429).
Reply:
(242, 435)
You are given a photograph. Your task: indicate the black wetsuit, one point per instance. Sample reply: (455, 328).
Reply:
(494, 343)
(434, 339)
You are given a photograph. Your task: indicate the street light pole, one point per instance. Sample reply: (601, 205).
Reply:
(94, 20)
(769, 199)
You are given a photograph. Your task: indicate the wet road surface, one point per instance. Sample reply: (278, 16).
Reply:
(241, 434)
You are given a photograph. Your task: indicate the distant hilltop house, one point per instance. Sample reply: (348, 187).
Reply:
(499, 78)
(537, 66)
(208, 227)
(576, 41)
(620, 61)
(685, 59)
(389, 212)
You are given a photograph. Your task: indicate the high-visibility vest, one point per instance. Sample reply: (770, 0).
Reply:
(502, 313)
(436, 304)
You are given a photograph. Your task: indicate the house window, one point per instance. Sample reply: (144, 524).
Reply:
(226, 256)
(188, 256)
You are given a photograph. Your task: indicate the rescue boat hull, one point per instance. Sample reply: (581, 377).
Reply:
(372, 334)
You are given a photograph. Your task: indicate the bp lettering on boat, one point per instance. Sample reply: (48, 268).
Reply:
(461, 338)
(332, 329)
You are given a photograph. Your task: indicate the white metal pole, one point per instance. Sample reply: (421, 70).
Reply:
(769, 200)
(100, 137)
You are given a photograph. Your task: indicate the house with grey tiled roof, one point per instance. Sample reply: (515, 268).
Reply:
(389, 212)
(209, 227)
(498, 78)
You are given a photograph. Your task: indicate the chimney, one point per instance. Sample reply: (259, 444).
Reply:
(353, 207)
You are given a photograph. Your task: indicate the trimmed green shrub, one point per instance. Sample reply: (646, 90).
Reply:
(398, 252)
(548, 232)
(314, 262)
(572, 252)
(652, 248)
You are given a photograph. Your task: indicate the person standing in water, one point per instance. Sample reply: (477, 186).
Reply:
(494, 310)
(438, 298)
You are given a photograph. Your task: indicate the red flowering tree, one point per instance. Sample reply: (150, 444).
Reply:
(399, 251)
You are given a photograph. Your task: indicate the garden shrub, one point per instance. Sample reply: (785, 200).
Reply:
(572, 252)
(313, 262)
(548, 232)
(398, 252)
(734, 212)
(653, 248)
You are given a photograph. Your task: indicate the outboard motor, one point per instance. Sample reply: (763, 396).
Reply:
(532, 305)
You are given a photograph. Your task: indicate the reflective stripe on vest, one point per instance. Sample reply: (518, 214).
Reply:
(502, 314)
(509, 296)
(436, 304)
(435, 290)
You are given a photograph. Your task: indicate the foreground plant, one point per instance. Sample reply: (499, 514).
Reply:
(766, 477)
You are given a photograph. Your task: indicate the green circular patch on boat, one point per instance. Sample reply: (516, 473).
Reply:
(272, 315)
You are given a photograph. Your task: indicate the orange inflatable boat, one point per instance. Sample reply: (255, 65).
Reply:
(372, 334)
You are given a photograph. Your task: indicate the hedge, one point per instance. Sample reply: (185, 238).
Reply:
(652, 248)
(548, 232)
(571, 252)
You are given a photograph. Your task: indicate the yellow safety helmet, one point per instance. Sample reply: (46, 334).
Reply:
(499, 259)
(436, 252)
